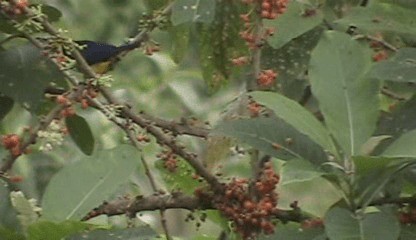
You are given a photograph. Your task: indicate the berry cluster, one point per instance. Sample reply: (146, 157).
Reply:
(408, 215)
(14, 7)
(380, 52)
(170, 161)
(239, 61)
(254, 109)
(12, 142)
(250, 213)
(69, 110)
(270, 9)
(380, 56)
(266, 78)
(312, 223)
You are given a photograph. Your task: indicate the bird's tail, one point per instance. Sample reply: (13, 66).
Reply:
(129, 46)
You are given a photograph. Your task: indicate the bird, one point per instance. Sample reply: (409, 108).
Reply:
(101, 57)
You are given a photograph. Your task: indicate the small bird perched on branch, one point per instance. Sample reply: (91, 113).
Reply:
(102, 56)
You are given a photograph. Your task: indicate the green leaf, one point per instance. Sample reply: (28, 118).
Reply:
(24, 75)
(155, 4)
(397, 123)
(181, 178)
(368, 147)
(292, 23)
(341, 224)
(220, 42)
(399, 68)
(28, 212)
(373, 174)
(144, 232)
(45, 230)
(292, 231)
(6, 26)
(180, 41)
(8, 234)
(408, 232)
(297, 116)
(81, 133)
(403, 146)
(291, 62)
(274, 137)
(6, 104)
(85, 184)
(365, 164)
(193, 11)
(348, 101)
(297, 170)
(381, 17)
(51, 12)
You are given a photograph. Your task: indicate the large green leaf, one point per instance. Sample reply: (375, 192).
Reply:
(292, 24)
(400, 68)
(193, 11)
(373, 174)
(381, 17)
(219, 42)
(296, 116)
(292, 231)
(180, 40)
(45, 230)
(341, 224)
(274, 137)
(291, 62)
(403, 146)
(83, 185)
(25, 73)
(6, 104)
(8, 234)
(80, 132)
(297, 170)
(408, 232)
(348, 100)
(180, 179)
(396, 123)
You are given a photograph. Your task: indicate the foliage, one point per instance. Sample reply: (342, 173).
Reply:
(254, 119)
